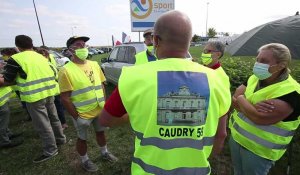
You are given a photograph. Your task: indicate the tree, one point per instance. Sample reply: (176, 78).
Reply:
(226, 34)
(196, 38)
(211, 32)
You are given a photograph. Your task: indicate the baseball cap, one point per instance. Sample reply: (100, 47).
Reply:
(74, 38)
(148, 31)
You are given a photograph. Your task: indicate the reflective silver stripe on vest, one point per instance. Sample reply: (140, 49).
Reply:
(177, 171)
(255, 138)
(4, 96)
(38, 90)
(87, 89)
(268, 128)
(36, 81)
(175, 143)
(87, 102)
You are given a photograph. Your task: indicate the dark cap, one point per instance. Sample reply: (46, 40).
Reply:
(148, 31)
(23, 41)
(75, 38)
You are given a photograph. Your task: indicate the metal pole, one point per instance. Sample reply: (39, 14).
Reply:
(206, 18)
(37, 18)
(139, 36)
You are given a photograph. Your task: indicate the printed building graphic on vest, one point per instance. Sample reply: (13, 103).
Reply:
(180, 106)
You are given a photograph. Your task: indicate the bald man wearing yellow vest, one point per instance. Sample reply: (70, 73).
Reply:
(175, 113)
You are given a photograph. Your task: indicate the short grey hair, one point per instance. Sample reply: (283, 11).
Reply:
(219, 46)
(280, 52)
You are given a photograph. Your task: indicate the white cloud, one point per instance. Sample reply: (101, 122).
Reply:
(118, 10)
(20, 23)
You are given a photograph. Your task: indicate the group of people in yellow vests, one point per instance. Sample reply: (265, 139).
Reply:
(175, 131)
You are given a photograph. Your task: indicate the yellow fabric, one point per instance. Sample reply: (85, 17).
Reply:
(52, 60)
(224, 77)
(255, 145)
(66, 85)
(5, 94)
(144, 80)
(141, 58)
(40, 82)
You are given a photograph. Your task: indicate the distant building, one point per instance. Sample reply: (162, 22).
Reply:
(181, 108)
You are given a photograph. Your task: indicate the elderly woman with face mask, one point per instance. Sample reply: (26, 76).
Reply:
(266, 113)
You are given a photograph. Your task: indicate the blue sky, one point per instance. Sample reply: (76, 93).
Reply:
(101, 19)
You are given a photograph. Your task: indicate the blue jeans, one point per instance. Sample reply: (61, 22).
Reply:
(246, 162)
(59, 109)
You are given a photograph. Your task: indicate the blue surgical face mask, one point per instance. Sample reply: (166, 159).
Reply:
(261, 71)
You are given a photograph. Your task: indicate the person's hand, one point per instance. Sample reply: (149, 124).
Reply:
(75, 118)
(239, 91)
(265, 106)
(235, 104)
(1, 80)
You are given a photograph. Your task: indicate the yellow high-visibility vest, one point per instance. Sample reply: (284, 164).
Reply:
(141, 58)
(85, 96)
(174, 130)
(267, 141)
(40, 82)
(4, 94)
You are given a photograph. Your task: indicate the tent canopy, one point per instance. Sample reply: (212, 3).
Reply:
(285, 31)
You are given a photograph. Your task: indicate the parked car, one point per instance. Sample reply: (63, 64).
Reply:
(95, 51)
(66, 53)
(120, 56)
(106, 49)
(99, 51)
(59, 58)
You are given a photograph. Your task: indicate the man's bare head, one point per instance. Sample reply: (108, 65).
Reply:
(173, 32)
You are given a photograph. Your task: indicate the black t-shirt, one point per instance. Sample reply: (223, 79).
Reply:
(11, 70)
(293, 99)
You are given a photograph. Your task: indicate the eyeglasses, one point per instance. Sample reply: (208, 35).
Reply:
(78, 45)
(209, 51)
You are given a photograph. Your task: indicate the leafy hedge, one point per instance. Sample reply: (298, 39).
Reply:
(239, 68)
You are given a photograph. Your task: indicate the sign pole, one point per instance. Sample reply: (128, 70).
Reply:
(139, 36)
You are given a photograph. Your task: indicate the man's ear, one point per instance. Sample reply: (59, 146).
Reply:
(155, 41)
